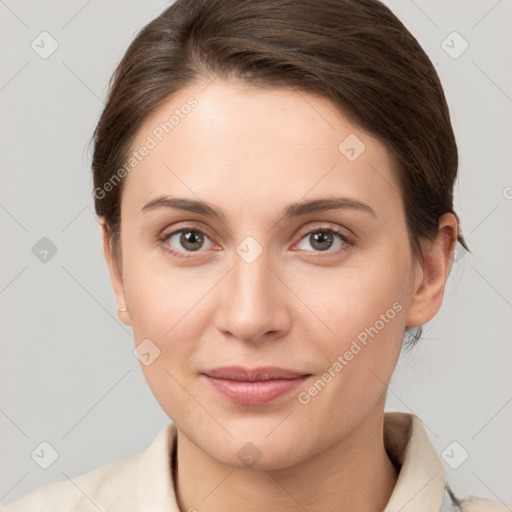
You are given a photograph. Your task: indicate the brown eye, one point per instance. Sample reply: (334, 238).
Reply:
(191, 240)
(323, 240)
(186, 240)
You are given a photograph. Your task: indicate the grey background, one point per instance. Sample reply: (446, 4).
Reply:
(68, 374)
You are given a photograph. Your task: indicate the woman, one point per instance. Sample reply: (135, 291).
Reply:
(274, 181)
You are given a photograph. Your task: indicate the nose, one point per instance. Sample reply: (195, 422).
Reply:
(254, 303)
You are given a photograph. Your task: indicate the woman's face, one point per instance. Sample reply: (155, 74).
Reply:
(264, 283)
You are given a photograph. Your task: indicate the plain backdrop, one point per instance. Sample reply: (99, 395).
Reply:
(68, 374)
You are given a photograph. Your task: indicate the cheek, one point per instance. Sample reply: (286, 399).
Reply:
(364, 308)
(350, 299)
(169, 307)
(162, 297)
(165, 308)
(360, 357)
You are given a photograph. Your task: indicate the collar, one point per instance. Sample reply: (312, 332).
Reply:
(421, 482)
(420, 486)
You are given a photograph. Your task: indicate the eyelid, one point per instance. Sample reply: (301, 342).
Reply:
(190, 225)
(345, 233)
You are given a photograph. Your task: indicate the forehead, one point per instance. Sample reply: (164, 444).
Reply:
(232, 141)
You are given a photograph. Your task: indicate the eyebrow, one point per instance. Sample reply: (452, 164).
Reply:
(292, 210)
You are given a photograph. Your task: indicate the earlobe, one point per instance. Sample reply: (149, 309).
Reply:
(430, 281)
(115, 274)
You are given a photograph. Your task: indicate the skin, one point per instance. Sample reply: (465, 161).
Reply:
(250, 152)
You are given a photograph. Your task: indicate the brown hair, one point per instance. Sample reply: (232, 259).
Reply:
(354, 52)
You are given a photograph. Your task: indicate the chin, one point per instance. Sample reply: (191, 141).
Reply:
(259, 456)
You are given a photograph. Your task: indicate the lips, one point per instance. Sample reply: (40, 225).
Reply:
(255, 375)
(256, 386)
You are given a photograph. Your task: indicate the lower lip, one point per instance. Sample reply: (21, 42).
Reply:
(255, 393)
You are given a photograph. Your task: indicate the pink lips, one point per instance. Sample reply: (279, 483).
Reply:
(254, 387)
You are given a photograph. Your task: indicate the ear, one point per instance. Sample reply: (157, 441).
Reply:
(432, 273)
(115, 273)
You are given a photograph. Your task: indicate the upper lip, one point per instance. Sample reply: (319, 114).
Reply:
(240, 373)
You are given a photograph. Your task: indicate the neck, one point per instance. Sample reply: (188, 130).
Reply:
(353, 475)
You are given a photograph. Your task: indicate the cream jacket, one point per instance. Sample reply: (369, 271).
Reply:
(143, 482)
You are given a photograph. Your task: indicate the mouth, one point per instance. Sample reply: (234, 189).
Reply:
(256, 386)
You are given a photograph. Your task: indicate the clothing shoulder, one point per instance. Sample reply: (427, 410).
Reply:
(108, 487)
(475, 504)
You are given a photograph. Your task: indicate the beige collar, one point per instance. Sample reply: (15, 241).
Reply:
(421, 481)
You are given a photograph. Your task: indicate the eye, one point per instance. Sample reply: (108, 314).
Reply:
(325, 239)
(185, 240)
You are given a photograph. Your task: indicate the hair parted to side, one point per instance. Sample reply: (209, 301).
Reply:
(356, 53)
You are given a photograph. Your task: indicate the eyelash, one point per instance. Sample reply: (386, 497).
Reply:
(347, 240)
